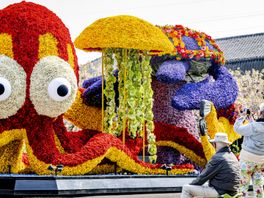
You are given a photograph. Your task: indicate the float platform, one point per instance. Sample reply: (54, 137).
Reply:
(14, 185)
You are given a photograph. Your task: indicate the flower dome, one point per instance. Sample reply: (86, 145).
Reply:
(123, 31)
(190, 44)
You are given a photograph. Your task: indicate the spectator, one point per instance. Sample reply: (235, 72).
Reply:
(252, 153)
(222, 172)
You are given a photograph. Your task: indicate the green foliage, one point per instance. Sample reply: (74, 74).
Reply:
(133, 85)
(148, 105)
(122, 72)
(135, 95)
(110, 123)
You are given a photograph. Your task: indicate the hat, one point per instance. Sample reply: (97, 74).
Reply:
(220, 137)
(261, 107)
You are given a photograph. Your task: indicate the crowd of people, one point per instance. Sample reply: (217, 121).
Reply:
(224, 174)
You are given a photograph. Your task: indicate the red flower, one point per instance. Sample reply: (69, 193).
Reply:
(25, 159)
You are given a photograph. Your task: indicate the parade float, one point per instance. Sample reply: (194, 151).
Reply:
(194, 71)
(147, 103)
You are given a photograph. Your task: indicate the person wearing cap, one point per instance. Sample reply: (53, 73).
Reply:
(222, 173)
(252, 153)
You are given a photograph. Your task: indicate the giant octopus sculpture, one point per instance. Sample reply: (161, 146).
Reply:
(193, 72)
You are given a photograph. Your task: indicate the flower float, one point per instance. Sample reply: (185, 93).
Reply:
(38, 83)
(38, 89)
(192, 72)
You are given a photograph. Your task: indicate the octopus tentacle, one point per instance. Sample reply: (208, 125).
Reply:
(71, 141)
(40, 136)
(99, 147)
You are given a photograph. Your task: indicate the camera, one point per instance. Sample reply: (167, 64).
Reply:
(247, 111)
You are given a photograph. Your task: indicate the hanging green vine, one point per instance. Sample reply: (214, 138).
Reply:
(110, 123)
(122, 72)
(134, 92)
(131, 93)
(148, 104)
(138, 93)
(135, 96)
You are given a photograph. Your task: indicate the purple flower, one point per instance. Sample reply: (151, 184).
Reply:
(172, 71)
(93, 93)
(209, 45)
(190, 43)
(90, 81)
(164, 112)
(222, 91)
(167, 155)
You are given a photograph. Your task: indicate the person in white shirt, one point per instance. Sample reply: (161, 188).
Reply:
(252, 153)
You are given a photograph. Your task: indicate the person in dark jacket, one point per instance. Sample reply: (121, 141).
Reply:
(222, 173)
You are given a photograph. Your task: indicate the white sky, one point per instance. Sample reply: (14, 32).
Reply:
(217, 18)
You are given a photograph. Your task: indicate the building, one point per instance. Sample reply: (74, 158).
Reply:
(245, 52)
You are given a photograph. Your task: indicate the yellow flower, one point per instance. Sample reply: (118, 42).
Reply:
(182, 45)
(78, 115)
(208, 149)
(123, 31)
(11, 150)
(222, 124)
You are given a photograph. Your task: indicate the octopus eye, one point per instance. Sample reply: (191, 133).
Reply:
(53, 86)
(12, 87)
(5, 89)
(59, 89)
